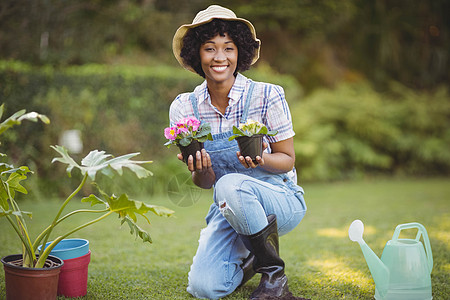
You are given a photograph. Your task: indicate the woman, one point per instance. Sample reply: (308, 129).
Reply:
(254, 203)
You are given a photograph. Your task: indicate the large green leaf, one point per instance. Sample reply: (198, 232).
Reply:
(65, 159)
(128, 207)
(138, 231)
(97, 161)
(124, 162)
(12, 183)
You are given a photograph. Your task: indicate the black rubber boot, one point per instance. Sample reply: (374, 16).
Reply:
(264, 246)
(247, 267)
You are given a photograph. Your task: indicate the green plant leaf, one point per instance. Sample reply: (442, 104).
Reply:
(12, 184)
(34, 116)
(128, 207)
(237, 132)
(5, 167)
(4, 197)
(98, 161)
(65, 159)
(272, 132)
(11, 121)
(168, 143)
(18, 117)
(124, 162)
(203, 130)
(138, 231)
(185, 141)
(94, 200)
(263, 130)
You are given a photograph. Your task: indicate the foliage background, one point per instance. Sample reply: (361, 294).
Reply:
(367, 81)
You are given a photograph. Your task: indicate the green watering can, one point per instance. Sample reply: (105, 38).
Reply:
(403, 272)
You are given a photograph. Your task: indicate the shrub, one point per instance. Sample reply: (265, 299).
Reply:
(120, 109)
(352, 131)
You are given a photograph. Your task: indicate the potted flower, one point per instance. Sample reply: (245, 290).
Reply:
(20, 286)
(188, 134)
(249, 137)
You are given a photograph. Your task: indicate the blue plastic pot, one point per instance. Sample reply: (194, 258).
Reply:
(69, 248)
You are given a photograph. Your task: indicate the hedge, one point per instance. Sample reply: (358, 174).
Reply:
(353, 131)
(119, 109)
(346, 132)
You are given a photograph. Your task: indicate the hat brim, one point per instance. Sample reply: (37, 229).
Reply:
(177, 42)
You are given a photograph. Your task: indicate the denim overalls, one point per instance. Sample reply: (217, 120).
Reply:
(243, 198)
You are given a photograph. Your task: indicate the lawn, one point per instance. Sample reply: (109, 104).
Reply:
(322, 263)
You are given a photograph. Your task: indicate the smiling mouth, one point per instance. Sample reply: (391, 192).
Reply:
(219, 69)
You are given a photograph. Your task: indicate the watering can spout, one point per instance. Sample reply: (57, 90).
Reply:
(380, 273)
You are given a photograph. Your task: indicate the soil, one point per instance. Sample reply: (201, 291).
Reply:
(19, 263)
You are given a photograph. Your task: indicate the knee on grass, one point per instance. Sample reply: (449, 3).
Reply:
(209, 286)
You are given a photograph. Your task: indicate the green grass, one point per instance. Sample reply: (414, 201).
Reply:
(321, 261)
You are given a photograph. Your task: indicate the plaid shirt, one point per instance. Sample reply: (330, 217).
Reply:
(268, 106)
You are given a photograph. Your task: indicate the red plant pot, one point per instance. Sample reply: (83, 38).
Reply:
(73, 277)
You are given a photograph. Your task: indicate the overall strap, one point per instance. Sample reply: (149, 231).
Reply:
(247, 103)
(194, 105)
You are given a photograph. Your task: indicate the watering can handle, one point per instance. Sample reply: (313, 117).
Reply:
(421, 231)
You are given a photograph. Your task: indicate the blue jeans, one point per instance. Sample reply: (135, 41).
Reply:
(241, 204)
(243, 198)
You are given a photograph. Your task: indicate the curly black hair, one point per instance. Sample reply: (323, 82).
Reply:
(238, 32)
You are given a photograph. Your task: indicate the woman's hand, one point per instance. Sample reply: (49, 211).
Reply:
(280, 160)
(247, 161)
(203, 161)
(202, 173)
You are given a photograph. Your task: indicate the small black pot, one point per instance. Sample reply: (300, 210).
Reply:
(251, 146)
(190, 149)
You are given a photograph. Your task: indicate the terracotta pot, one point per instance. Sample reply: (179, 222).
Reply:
(190, 149)
(251, 146)
(31, 283)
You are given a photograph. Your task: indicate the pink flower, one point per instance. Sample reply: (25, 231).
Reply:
(171, 133)
(182, 127)
(194, 123)
(190, 122)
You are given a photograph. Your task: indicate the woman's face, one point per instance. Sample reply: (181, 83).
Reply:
(219, 57)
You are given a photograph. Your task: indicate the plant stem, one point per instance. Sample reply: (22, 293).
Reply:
(44, 255)
(62, 208)
(41, 236)
(24, 241)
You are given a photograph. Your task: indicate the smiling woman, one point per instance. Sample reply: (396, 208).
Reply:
(218, 58)
(254, 200)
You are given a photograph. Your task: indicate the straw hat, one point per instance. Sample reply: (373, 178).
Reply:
(203, 17)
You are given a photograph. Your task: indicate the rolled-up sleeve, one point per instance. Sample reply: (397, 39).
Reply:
(177, 109)
(278, 116)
